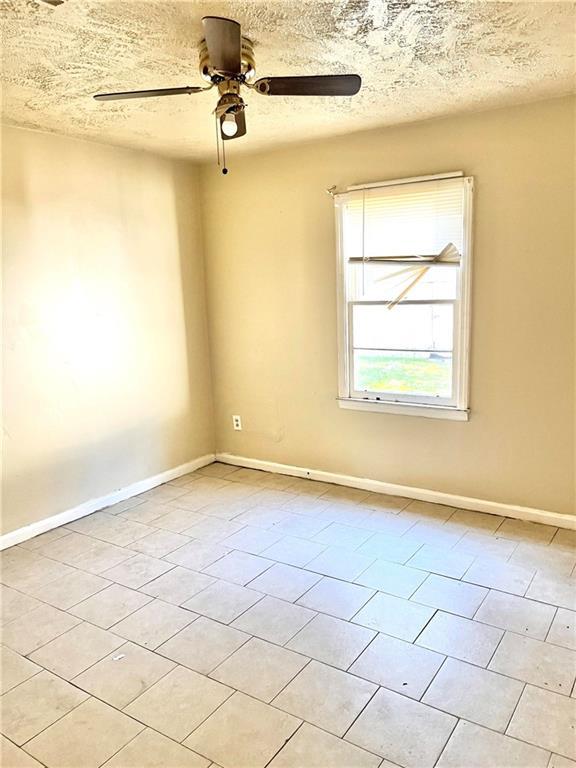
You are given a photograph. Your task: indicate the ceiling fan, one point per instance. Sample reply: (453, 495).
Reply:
(227, 62)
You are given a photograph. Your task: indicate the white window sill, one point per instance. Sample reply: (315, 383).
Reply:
(405, 409)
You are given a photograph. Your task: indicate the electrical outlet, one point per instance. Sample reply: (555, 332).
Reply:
(237, 423)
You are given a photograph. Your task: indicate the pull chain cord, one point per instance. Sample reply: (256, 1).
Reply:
(218, 140)
(224, 169)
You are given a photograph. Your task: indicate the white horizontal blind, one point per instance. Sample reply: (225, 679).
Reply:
(417, 219)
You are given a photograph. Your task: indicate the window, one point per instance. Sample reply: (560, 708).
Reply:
(404, 296)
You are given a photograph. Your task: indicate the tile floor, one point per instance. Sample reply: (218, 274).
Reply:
(238, 619)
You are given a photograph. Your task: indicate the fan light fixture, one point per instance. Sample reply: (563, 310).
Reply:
(227, 62)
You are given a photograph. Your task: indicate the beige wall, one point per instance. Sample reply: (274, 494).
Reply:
(106, 365)
(270, 254)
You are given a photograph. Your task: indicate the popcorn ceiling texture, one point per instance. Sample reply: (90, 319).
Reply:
(418, 59)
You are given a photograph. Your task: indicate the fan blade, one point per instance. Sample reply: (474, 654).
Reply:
(224, 44)
(314, 85)
(241, 125)
(149, 94)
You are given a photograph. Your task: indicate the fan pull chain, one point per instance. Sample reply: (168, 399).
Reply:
(224, 169)
(217, 140)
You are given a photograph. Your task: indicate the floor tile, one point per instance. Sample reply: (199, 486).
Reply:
(36, 628)
(460, 638)
(300, 525)
(477, 521)
(394, 549)
(556, 590)
(110, 606)
(238, 567)
(385, 502)
(30, 575)
(152, 750)
(314, 748)
(197, 554)
(223, 601)
(485, 546)
(14, 669)
(137, 571)
(557, 761)
(405, 731)
(392, 578)
(429, 510)
(123, 675)
(153, 624)
(76, 650)
(285, 581)
(110, 528)
(178, 520)
(398, 665)
(274, 620)
(331, 640)
(433, 533)
(68, 548)
(389, 524)
(340, 563)
(71, 589)
(87, 736)
(243, 733)
(543, 664)
(203, 645)
(437, 560)
(44, 538)
(164, 492)
(522, 530)
(501, 576)
(14, 604)
(100, 557)
(450, 595)
(36, 704)
(178, 703)
(476, 747)
(261, 517)
(252, 540)
(294, 551)
(338, 598)
(345, 492)
(146, 512)
(555, 731)
(474, 694)
(259, 669)
(325, 697)
(526, 617)
(563, 629)
(545, 558)
(339, 535)
(394, 616)
(565, 537)
(214, 529)
(217, 469)
(159, 543)
(306, 505)
(178, 585)
(12, 756)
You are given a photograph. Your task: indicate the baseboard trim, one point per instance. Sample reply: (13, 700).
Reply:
(422, 494)
(94, 505)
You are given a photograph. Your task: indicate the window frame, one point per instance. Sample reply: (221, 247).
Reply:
(456, 407)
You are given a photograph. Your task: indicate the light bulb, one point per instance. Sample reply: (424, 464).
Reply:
(229, 127)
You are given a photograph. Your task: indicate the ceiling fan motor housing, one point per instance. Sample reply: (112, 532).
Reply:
(248, 64)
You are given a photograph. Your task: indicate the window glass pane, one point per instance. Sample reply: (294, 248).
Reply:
(374, 281)
(403, 373)
(405, 326)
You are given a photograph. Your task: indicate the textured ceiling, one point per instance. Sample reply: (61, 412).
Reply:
(418, 59)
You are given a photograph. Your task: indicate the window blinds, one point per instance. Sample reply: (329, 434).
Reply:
(409, 222)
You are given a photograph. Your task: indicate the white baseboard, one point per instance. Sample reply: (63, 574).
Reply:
(41, 526)
(422, 494)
